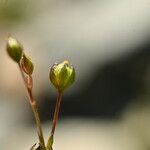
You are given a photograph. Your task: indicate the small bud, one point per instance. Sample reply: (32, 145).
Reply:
(62, 75)
(14, 49)
(27, 65)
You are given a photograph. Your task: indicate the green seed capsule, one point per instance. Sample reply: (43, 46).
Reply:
(14, 49)
(62, 75)
(27, 65)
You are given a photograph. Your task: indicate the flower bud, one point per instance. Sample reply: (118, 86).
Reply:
(62, 75)
(14, 49)
(27, 65)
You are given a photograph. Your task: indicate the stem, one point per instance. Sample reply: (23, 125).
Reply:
(56, 113)
(38, 124)
(29, 84)
(55, 120)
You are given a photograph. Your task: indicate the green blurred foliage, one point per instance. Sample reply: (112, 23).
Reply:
(13, 12)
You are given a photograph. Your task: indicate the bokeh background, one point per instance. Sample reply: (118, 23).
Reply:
(108, 42)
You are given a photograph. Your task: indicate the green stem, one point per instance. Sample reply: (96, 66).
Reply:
(28, 84)
(55, 120)
(38, 124)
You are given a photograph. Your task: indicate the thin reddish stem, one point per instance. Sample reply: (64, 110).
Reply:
(56, 113)
(29, 84)
(55, 120)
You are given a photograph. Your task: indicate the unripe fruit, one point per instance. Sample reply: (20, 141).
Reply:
(14, 49)
(62, 75)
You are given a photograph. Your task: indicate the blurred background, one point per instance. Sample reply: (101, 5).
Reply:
(108, 42)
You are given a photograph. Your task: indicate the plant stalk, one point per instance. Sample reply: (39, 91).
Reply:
(29, 84)
(55, 120)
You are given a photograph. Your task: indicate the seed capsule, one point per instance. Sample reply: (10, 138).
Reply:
(62, 75)
(14, 49)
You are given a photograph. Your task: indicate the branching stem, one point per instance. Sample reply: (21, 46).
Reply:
(29, 84)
